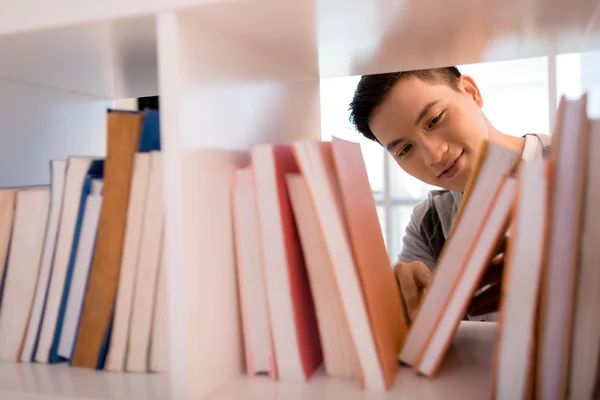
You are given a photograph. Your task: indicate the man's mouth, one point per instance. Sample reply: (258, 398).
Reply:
(453, 168)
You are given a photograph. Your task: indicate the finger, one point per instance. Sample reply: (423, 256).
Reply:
(485, 302)
(422, 275)
(409, 290)
(402, 302)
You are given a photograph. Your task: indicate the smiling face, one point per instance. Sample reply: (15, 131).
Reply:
(433, 131)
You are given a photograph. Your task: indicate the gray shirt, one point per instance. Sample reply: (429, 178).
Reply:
(432, 219)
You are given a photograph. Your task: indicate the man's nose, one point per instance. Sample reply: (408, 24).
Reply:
(433, 151)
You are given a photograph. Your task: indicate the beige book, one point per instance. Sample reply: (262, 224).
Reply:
(147, 270)
(494, 164)
(7, 212)
(57, 188)
(586, 320)
(31, 217)
(159, 340)
(567, 171)
(258, 342)
(489, 234)
(117, 350)
(339, 355)
(515, 347)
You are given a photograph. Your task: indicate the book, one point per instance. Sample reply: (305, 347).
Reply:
(293, 319)
(117, 350)
(123, 138)
(316, 162)
(57, 183)
(81, 267)
(150, 250)
(339, 355)
(489, 234)
(256, 327)
(515, 346)
(495, 163)
(79, 170)
(386, 316)
(30, 219)
(567, 175)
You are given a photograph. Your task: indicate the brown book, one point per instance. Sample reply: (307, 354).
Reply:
(123, 137)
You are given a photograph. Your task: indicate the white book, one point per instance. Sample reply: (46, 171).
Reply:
(147, 271)
(520, 286)
(117, 350)
(339, 355)
(81, 269)
(58, 168)
(583, 366)
(31, 217)
(318, 169)
(253, 299)
(159, 344)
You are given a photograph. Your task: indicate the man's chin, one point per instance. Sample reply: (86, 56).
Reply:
(458, 185)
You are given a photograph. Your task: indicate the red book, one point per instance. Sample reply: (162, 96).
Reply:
(289, 298)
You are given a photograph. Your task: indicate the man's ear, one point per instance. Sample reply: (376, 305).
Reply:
(468, 85)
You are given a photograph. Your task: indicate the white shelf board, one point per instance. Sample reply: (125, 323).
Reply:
(59, 381)
(330, 38)
(32, 15)
(465, 374)
(108, 49)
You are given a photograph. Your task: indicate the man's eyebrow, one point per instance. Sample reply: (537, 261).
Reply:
(391, 145)
(424, 111)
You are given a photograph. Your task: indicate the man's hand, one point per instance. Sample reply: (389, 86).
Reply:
(413, 279)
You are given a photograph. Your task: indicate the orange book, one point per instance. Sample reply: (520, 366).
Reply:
(382, 299)
(336, 177)
(123, 138)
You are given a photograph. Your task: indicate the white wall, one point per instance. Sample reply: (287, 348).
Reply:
(39, 124)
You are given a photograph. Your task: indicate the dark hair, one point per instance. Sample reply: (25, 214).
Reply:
(372, 90)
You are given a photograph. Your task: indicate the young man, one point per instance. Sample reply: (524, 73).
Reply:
(431, 123)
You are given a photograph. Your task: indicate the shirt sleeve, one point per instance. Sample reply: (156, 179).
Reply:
(415, 246)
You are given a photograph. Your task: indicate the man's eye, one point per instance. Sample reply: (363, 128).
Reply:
(405, 150)
(435, 120)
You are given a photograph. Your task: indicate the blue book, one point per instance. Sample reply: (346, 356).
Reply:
(150, 135)
(95, 172)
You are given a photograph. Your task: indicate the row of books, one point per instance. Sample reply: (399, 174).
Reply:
(316, 286)
(315, 283)
(83, 280)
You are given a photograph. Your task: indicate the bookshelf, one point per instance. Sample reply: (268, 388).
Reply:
(230, 74)
(465, 376)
